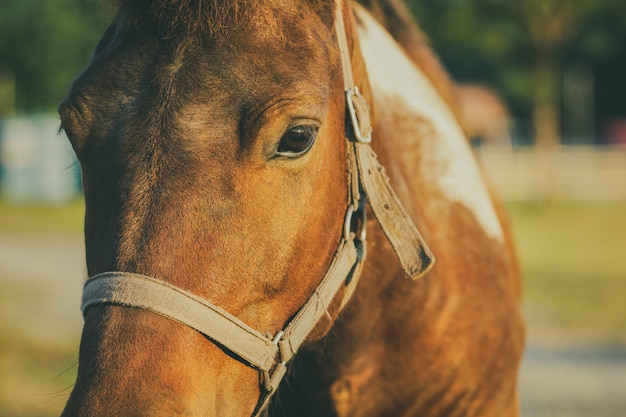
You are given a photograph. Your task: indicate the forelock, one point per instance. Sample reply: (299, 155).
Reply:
(214, 17)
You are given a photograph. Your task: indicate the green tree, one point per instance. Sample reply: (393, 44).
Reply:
(44, 44)
(554, 27)
(521, 46)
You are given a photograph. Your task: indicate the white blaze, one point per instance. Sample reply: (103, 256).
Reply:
(392, 73)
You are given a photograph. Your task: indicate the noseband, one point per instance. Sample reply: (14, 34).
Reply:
(268, 354)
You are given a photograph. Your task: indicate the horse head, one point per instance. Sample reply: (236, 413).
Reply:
(212, 141)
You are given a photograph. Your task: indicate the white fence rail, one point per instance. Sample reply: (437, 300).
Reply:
(565, 173)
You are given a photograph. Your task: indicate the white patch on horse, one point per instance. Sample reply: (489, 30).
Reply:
(392, 72)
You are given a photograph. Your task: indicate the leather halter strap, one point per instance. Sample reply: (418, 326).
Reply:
(411, 249)
(270, 354)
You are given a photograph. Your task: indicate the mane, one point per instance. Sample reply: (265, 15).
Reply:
(215, 17)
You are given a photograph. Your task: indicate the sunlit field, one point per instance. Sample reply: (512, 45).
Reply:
(573, 256)
(41, 267)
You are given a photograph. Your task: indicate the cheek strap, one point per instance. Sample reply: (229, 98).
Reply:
(410, 248)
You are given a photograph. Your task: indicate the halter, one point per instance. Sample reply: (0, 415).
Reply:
(367, 181)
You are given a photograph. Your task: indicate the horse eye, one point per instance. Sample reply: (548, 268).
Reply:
(297, 141)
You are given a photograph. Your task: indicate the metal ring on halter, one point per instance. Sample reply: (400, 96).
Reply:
(361, 231)
(270, 379)
(356, 113)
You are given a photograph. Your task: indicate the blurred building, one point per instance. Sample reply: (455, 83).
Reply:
(37, 163)
(484, 115)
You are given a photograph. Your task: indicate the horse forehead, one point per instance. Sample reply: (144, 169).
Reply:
(167, 78)
(247, 67)
(457, 174)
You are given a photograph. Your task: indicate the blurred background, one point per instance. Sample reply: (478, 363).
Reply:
(542, 85)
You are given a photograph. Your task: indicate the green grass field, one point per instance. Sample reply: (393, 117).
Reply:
(38, 344)
(573, 257)
(42, 219)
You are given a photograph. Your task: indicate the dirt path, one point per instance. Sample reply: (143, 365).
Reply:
(573, 382)
(41, 281)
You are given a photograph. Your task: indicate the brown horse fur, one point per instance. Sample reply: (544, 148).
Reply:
(176, 122)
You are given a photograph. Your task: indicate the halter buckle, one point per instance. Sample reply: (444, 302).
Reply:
(355, 222)
(359, 115)
(270, 379)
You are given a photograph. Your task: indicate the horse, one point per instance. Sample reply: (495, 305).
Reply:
(260, 179)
